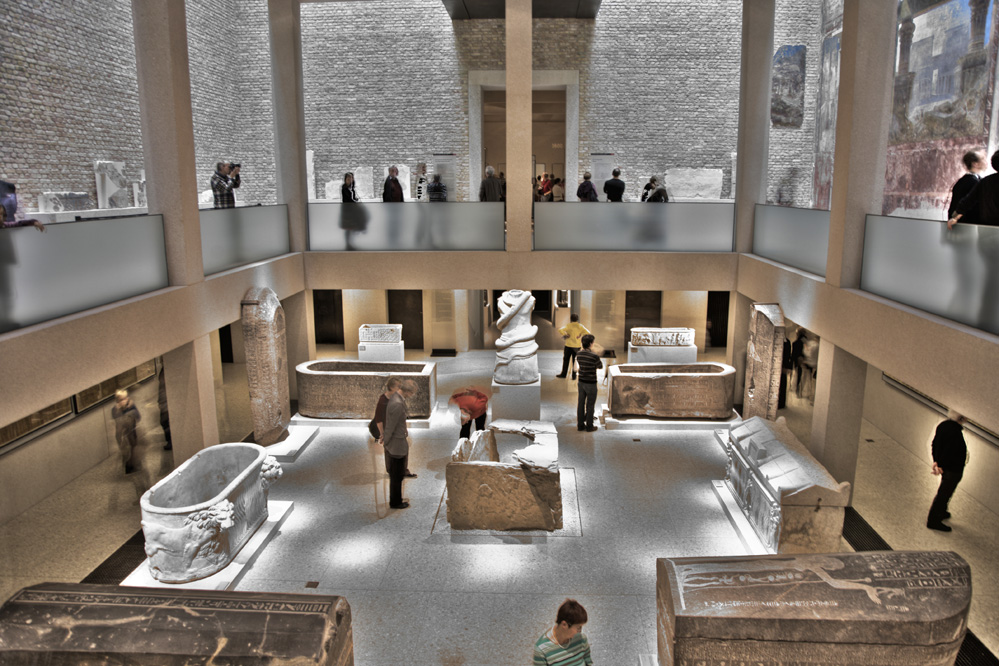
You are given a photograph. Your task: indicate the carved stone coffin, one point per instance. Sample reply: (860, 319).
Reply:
(58, 202)
(659, 337)
(196, 519)
(520, 491)
(877, 608)
(764, 357)
(672, 390)
(792, 502)
(374, 333)
(68, 623)
(350, 389)
(266, 364)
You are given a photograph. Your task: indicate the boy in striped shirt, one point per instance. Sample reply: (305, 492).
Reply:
(564, 644)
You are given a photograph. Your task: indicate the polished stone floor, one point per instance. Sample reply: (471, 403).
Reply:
(423, 598)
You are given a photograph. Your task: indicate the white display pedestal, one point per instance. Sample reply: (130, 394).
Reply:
(381, 351)
(662, 354)
(299, 437)
(228, 578)
(521, 402)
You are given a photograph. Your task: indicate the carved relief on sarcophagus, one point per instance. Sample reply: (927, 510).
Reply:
(792, 502)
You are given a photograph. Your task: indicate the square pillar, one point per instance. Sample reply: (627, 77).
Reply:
(519, 78)
(300, 333)
(190, 388)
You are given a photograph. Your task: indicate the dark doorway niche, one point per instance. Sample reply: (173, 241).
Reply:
(642, 309)
(717, 332)
(328, 310)
(405, 306)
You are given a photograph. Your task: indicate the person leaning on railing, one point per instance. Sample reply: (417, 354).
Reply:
(982, 203)
(8, 224)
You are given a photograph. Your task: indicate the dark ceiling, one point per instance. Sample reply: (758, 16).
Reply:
(494, 9)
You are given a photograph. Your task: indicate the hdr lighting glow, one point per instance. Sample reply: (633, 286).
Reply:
(360, 550)
(496, 562)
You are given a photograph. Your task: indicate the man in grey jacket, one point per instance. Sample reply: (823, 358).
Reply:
(396, 442)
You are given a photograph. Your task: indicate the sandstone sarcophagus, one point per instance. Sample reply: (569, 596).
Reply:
(350, 389)
(877, 608)
(672, 390)
(792, 502)
(196, 519)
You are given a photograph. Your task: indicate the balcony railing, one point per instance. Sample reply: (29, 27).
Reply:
(389, 227)
(76, 266)
(952, 273)
(649, 227)
(798, 237)
(231, 237)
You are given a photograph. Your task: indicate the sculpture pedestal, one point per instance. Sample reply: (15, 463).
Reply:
(662, 354)
(521, 402)
(381, 351)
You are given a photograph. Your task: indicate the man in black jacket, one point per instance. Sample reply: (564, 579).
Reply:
(974, 162)
(614, 188)
(949, 454)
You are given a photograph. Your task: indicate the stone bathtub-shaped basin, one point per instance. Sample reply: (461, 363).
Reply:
(672, 390)
(350, 389)
(198, 518)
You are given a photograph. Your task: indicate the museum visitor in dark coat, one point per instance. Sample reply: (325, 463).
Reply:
(974, 162)
(614, 188)
(392, 192)
(950, 452)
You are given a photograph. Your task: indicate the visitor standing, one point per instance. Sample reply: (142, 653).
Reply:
(558, 192)
(491, 188)
(395, 438)
(377, 425)
(437, 190)
(950, 453)
(572, 333)
(974, 163)
(586, 191)
(649, 188)
(564, 644)
(659, 195)
(392, 190)
(588, 363)
(126, 421)
(614, 188)
(224, 181)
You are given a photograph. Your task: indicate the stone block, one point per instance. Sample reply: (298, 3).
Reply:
(71, 623)
(350, 389)
(388, 352)
(379, 333)
(662, 337)
(764, 359)
(112, 185)
(512, 401)
(694, 183)
(877, 608)
(266, 347)
(58, 202)
(672, 390)
(662, 354)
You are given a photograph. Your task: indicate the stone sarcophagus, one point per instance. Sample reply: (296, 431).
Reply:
(877, 608)
(72, 623)
(662, 345)
(196, 519)
(672, 390)
(380, 333)
(380, 342)
(350, 389)
(792, 502)
(520, 491)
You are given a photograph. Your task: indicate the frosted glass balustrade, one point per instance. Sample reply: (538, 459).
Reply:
(952, 273)
(75, 266)
(798, 237)
(381, 227)
(670, 227)
(232, 237)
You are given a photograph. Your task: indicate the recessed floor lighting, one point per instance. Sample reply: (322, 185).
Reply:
(312, 583)
(636, 440)
(869, 440)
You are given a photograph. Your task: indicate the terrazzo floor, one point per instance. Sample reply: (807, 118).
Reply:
(459, 600)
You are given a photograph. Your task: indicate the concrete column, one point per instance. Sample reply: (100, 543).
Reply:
(300, 332)
(839, 408)
(866, 71)
(753, 144)
(289, 117)
(519, 68)
(160, 28)
(190, 388)
(738, 337)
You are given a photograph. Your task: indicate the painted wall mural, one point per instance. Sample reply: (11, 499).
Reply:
(825, 122)
(787, 92)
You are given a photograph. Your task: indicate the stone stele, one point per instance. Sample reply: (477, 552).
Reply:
(373, 333)
(662, 337)
(672, 390)
(516, 350)
(792, 502)
(198, 517)
(518, 492)
(764, 357)
(877, 608)
(266, 365)
(72, 623)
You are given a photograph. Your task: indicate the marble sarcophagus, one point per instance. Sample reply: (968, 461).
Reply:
(519, 491)
(672, 390)
(792, 502)
(877, 608)
(196, 519)
(350, 389)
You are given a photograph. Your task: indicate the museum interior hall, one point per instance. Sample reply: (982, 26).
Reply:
(231, 226)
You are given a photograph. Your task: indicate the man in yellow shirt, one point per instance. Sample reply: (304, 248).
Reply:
(572, 333)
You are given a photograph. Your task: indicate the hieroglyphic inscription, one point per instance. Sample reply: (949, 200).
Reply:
(117, 599)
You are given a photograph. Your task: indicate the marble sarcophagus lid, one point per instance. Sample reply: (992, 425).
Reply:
(672, 390)
(662, 337)
(876, 608)
(72, 623)
(350, 389)
(375, 333)
(792, 502)
(517, 491)
(196, 519)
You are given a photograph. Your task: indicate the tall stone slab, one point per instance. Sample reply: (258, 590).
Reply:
(516, 350)
(266, 365)
(764, 356)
